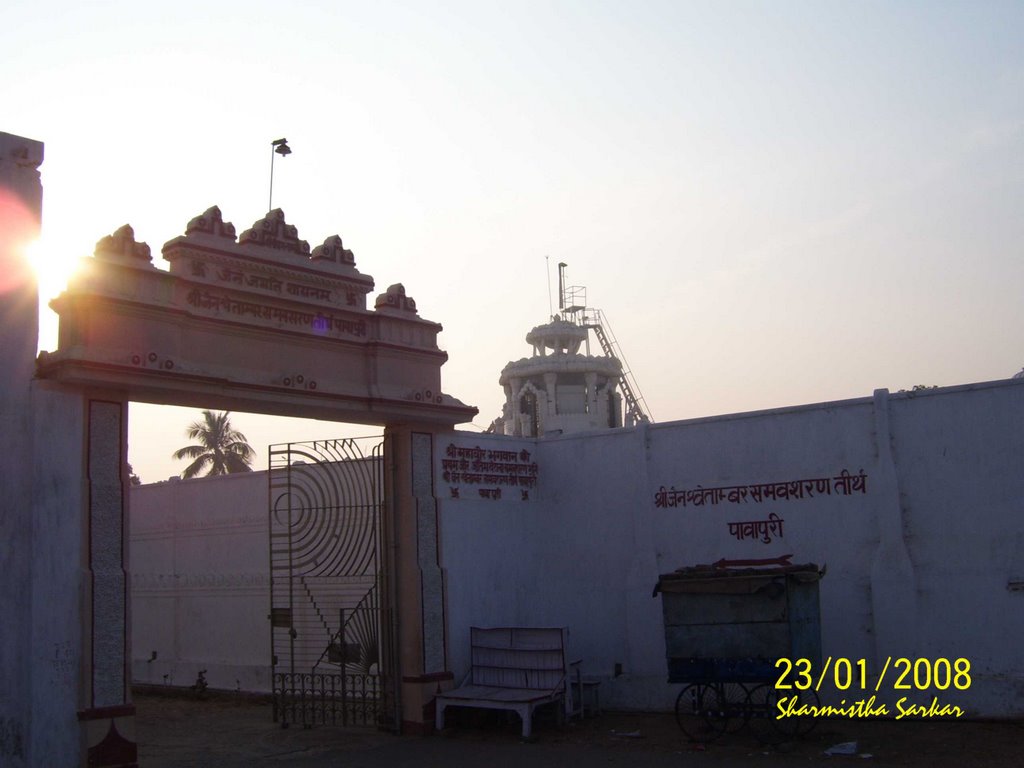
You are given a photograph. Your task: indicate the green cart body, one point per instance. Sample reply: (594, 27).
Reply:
(734, 624)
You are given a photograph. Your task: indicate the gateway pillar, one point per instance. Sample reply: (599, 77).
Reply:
(419, 587)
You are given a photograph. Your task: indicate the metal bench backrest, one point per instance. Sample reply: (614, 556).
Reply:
(519, 657)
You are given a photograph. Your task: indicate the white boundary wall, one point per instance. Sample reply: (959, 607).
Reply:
(927, 562)
(200, 565)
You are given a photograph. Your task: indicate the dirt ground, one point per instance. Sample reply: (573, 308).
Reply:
(227, 730)
(999, 744)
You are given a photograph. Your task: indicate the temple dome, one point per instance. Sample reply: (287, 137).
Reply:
(560, 336)
(561, 388)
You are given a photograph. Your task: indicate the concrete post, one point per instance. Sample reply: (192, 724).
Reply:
(63, 658)
(21, 196)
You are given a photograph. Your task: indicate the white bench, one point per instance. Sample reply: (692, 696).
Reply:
(513, 668)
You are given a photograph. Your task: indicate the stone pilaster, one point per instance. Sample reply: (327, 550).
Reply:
(107, 716)
(591, 394)
(550, 384)
(419, 586)
(893, 582)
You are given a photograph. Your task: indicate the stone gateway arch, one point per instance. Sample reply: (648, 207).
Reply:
(257, 322)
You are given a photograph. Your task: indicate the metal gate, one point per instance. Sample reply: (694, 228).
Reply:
(331, 623)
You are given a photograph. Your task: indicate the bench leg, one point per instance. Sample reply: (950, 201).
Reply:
(526, 714)
(439, 708)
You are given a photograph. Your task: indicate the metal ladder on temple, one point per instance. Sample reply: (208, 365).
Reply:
(572, 302)
(636, 407)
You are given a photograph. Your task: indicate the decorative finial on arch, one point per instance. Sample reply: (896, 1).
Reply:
(333, 250)
(121, 246)
(211, 222)
(25, 155)
(395, 299)
(273, 232)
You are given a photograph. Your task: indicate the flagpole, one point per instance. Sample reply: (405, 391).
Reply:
(278, 147)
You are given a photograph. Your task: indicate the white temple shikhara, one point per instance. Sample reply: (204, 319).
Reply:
(560, 389)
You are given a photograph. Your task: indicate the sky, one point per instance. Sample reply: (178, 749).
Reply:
(773, 203)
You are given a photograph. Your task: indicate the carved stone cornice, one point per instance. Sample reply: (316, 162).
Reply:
(258, 324)
(122, 247)
(273, 232)
(333, 250)
(211, 222)
(395, 300)
(20, 157)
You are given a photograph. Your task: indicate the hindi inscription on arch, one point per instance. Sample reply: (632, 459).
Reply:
(262, 322)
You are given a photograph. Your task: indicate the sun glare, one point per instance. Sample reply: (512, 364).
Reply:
(17, 226)
(53, 267)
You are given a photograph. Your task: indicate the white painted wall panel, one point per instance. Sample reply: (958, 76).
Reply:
(585, 549)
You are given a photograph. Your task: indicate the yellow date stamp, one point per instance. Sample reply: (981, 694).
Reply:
(844, 674)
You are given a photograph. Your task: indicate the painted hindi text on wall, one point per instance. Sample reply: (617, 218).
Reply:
(843, 484)
(493, 474)
(762, 530)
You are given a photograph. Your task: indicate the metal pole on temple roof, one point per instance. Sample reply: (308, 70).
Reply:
(278, 147)
(561, 284)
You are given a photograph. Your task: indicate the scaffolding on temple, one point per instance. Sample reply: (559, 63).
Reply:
(572, 307)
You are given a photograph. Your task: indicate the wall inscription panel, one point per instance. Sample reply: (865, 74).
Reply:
(496, 471)
(771, 527)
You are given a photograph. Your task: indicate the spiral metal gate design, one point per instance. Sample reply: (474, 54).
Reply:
(331, 639)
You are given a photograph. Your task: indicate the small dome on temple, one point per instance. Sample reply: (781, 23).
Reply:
(559, 335)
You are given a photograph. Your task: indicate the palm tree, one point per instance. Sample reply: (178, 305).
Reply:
(221, 447)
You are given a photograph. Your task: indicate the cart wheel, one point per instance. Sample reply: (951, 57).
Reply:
(764, 711)
(725, 707)
(795, 727)
(689, 714)
(761, 714)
